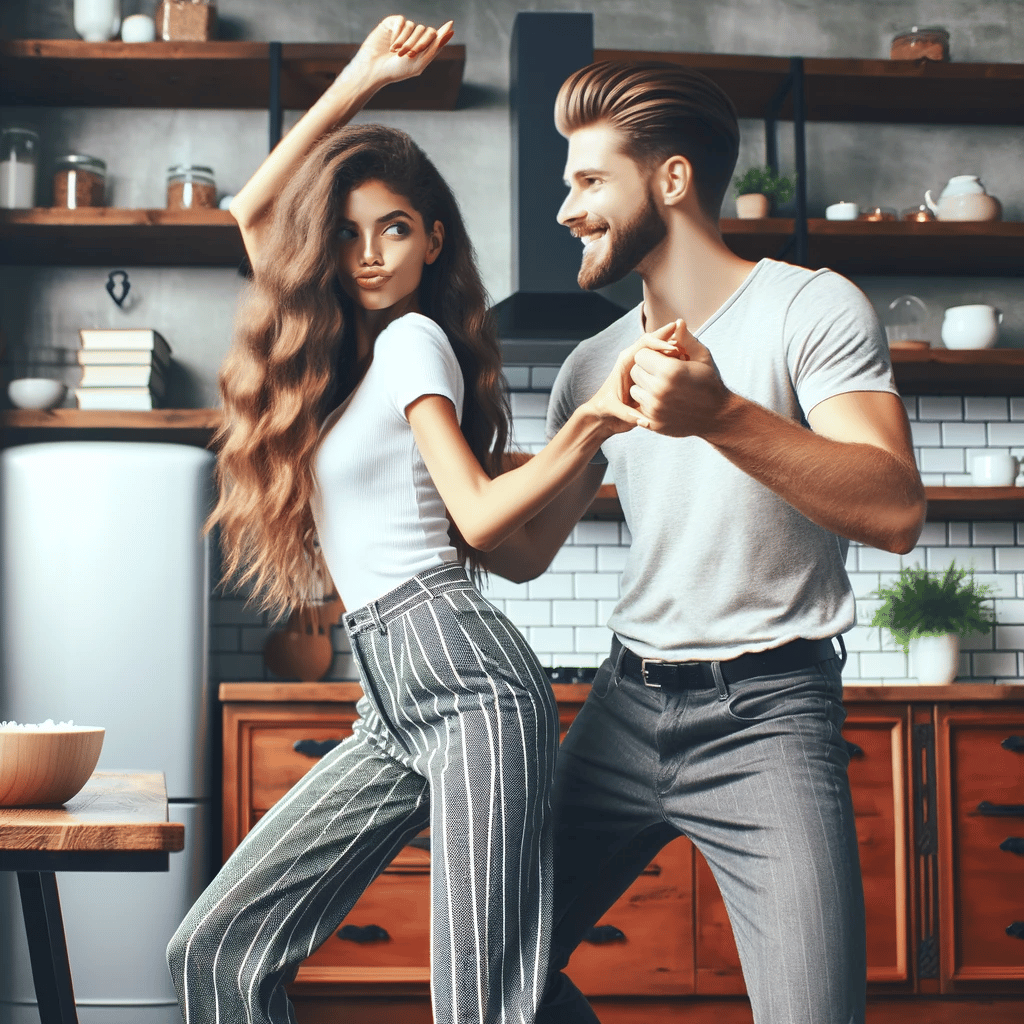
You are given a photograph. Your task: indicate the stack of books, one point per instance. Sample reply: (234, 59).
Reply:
(122, 368)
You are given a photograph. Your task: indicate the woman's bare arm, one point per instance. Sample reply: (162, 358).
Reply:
(395, 50)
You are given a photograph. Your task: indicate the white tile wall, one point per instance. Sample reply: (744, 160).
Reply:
(563, 612)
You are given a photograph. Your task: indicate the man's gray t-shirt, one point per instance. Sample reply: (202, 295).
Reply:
(719, 564)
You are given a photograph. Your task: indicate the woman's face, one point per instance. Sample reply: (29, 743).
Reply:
(383, 247)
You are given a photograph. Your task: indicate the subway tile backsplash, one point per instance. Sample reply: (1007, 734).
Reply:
(563, 612)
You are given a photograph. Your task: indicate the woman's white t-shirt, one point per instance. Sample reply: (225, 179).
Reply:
(379, 518)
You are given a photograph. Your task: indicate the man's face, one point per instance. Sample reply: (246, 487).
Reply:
(609, 207)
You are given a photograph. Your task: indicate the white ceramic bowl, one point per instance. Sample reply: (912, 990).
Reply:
(36, 392)
(48, 765)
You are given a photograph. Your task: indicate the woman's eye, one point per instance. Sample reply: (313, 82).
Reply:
(346, 234)
(398, 228)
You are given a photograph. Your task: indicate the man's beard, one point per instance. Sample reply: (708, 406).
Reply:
(626, 250)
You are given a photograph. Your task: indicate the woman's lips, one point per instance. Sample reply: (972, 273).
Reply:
(373, 281)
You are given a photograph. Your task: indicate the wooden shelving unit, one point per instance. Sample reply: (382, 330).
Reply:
(880, 91)
(104, 236)
(939, 371)
(991, 248)
(214, 75)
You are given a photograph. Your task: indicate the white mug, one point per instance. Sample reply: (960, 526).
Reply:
(994, 469)
(842, 211)
(974, 326)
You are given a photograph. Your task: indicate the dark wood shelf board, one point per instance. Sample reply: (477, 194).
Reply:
(214, 75)
(969, 248)
(183, 426)
(878, 91)
(956, 503)
(938, 371)
(106, 235)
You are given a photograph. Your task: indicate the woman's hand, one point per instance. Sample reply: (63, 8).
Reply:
(395, 50)
(613, 403)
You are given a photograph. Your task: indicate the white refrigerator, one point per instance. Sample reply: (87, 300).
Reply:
(104, 596)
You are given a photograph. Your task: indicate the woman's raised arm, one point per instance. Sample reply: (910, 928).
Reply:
(395, 50)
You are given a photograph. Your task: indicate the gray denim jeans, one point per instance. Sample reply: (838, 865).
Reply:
(756, 777)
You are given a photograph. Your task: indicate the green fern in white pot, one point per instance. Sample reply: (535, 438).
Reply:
(928, 612)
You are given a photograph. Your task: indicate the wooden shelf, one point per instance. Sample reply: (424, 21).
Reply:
(214, 75)
(939, 371)
(956, 503)
(878, 91)
(975, 248)
(101, 236)
(184, 426)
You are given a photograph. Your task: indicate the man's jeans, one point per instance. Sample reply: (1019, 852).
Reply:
(756, 777)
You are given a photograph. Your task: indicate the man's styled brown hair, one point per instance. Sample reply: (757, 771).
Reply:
(661, 110)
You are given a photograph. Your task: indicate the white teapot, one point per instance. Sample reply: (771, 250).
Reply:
(965, 198)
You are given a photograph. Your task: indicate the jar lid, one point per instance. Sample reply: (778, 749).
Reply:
(931, 31)
(178, 169)
(15, 129)
(82, 162)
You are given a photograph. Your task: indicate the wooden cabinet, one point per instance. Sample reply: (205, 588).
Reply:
(937, 778)
(980, 768)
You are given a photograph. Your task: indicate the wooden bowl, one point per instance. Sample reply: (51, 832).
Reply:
(46, 767)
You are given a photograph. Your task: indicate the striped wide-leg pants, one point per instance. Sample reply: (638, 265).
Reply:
(458, 730)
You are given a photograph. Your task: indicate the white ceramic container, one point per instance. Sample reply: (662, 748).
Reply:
(138, 28)
(973, 326)
(934, 660)
(36, 392)
(97, 21)
(842, 211)
(994, 469)
(965, 198)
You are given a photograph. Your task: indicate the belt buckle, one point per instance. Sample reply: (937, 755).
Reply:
(644, 662)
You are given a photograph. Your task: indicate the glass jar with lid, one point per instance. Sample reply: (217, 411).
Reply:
(79, 180)
(921, 44)
(191, 187)
(19, 160)
(188, 20)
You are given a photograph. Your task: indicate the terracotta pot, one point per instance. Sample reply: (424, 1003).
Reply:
(303, 649)
(752, 206)
(934, 660)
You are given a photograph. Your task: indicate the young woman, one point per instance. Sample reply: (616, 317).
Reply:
(365, 423)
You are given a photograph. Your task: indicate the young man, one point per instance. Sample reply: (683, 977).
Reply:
(775, 438)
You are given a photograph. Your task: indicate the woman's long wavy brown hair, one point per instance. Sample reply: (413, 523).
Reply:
(293, 359)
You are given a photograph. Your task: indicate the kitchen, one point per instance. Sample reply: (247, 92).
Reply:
(563, 612)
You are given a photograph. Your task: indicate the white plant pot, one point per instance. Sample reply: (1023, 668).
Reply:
(752, 206)
(934, 660)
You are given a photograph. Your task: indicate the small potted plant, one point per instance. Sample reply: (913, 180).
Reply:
(757, 188)
(927, 612)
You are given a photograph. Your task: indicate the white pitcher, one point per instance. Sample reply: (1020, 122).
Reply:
(972, 326)
(965, 198)
(96, 21)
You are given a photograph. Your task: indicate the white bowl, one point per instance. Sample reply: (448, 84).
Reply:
(36, 392)
(47, 765)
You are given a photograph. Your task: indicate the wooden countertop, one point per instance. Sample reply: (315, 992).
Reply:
(573, 693)
(115, 812)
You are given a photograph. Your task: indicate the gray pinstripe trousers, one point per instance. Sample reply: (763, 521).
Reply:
(458, 730)
(756, 777)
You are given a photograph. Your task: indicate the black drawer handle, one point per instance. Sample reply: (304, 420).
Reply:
(314, 748)
(1001, 810)
(602, 934)
(1014, 743)
(1013, 844)
(362, 935)
(1016, 930)
(853, 749)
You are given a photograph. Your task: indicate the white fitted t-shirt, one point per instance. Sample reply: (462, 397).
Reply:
(379, 518)
(719, 564)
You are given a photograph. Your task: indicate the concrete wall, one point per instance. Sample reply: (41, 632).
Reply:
(888, 165)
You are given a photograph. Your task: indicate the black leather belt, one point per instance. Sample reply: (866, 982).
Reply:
(699, 675)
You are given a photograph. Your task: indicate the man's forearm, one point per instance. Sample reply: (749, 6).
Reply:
(859, 491)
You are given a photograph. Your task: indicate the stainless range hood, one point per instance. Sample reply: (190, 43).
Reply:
(547, 313)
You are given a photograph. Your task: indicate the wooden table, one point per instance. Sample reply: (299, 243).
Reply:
(118, 822)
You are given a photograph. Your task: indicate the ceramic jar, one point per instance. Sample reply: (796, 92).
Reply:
(97, 21)
(973, 326)
(752, 206)
(934, 660)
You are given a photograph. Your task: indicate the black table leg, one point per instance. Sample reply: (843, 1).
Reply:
(47, 947)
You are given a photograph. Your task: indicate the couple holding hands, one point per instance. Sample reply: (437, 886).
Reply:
(750, 416)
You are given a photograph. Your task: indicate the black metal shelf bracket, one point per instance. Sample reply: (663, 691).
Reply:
(792, 83)
(274, 100)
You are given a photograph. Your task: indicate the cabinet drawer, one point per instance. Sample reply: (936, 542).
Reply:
(654, 955)
(984, 940)
(275, 765)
